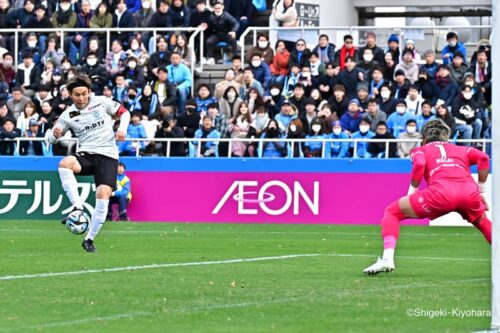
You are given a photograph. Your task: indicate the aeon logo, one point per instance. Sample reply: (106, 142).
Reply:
(251, 192)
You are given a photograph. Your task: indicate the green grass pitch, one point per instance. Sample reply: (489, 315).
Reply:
(441, 283)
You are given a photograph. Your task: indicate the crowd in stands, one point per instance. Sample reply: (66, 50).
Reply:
(286, 91)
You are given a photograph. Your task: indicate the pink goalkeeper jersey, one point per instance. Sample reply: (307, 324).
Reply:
(444, 161)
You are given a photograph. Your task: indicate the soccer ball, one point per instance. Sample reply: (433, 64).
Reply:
(77, 222)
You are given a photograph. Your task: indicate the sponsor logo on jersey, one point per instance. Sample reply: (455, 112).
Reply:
(91, 127)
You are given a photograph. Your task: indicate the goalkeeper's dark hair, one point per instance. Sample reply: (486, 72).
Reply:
(78, 81)
(435, 130)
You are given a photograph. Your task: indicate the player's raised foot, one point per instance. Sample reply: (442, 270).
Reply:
(382, 265)
(88, 245)
(63, 221)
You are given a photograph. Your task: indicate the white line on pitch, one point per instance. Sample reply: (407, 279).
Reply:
(151, 266)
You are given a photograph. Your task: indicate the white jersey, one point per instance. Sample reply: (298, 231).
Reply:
(93, 126)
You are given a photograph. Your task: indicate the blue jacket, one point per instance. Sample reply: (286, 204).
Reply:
(208, 145)
(447, 93)
(396, 123)
(314, 145)
(204, 103)
(180, 75)
(273, 149)
(362, 147)
(123, 187)
(338, 149)
(448, 50)
(421, 121)
(350, 122)
(283, 120)
(329, 51)
(262, 74)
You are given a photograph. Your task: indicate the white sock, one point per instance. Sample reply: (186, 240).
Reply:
(70, 186)
(98, 218)
(388, 254)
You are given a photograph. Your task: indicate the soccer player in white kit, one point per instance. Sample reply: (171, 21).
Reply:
(91, 119)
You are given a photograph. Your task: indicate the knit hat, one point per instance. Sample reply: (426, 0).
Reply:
(393, 38)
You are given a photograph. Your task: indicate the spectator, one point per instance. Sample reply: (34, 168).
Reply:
(236, 67)
(4, 89)
(47, 117)
(430, 65)
(371, 43)
(350, 120)
(328, 80)
(453, 46)
(393, 47)
(273, 149)
(17, 102)
(115, 59)
(401, 84)
(220, 123)
(131, 102)
(295, 132)
(123, 18)
(19, 18)
(301, 54)
(360, 149)
(158, 59)
(425, 85)
(350, 76)
(30, 147)
(207, 131)
(148, 101)
(263, 48)
(138, 51)
(189, 121)
(135, 130)
(159, 20)
(410, 45)
(261, 71)
(445, 88)
(5, 23)
(374, 114)
(8, 133)
(396, 122)
(242, 11)
(222, 28)
(96, 72)
(143, 17)
(478, 95)
(325, 49)
(443, 114)
(230, 102)
(288, 113)
(367, 62)
(426, 114)
(414, 100)
(305, 79)
(101, 20)
(7, 68)
(180, 76)
(178, 15)
(204, 99)
(377, 81)
(298, 99)
(121, 195)
(5, 113)
(465, 110)
(43, 95)
(249, 82)
(378, 149)
(46, 75)
(307, 116)
(238, 128)
(170, 130)
(458, 67)
(408, 65)
(79, 43)
(257, 128)
(337, 149)
(386, 102)
(64, 16)
(164, 88)
(254, 100)
(57, 82)
(348, 50)
(133, 73)
(482, 70)
(291, 80)
(32, 48)
(283, 14)
(411, 133)
(120, 90)
(28, 114)
(362, 96)
(62, 101)
(339, 101)
(200, 17)
(40, 21)
(389, 67)
(317, 68)
(229, 81)
(182, 47)
(314, 148)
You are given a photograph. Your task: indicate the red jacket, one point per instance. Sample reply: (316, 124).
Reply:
(280, 63)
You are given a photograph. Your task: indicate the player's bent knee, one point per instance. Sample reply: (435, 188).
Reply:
(69, 162)
(103, 192)
(394, 210)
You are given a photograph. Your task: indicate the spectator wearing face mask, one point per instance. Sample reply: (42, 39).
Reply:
(273, 149)
(7, 68)
(96, 72)
(411, 133)
(397, 120)
(453, 46)
(230, 102)
(337, 149)
(314, 148)
(378, 149)
(465, 110)
(364, 132)
(274, 100)
(263, 48)
(133, 73)
(261, 70)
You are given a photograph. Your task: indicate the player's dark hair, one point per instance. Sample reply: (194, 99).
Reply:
(78, 81)
(435, 130)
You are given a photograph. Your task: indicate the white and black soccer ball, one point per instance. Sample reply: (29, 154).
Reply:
(77, 222)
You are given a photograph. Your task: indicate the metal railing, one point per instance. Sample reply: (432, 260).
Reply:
(61, 32)
(401, 31)
(260, 143)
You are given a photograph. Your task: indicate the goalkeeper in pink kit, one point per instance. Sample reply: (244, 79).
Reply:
(451, 188)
